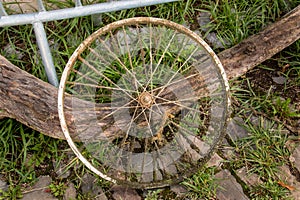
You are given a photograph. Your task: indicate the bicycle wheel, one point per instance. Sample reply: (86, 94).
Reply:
(143, 102)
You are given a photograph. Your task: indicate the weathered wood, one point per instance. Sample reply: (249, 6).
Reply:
(34, 102)
(262, 46)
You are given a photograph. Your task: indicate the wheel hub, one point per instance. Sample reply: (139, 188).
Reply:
(145, 99)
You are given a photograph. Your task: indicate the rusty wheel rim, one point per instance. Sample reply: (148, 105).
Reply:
(151, 102)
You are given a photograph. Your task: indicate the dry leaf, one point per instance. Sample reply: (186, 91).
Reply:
(289, 187)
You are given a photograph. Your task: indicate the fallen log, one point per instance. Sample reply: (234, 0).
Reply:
(262, 46)
(33, 102)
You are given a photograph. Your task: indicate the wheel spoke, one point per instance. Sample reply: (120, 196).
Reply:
(176, 73)
(178, 104)
(116, 110)
(192, 76)
(105, 77)
(120, 62)
(100, 86)
(160, 60)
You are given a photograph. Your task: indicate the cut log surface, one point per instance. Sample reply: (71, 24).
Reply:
(33, 102)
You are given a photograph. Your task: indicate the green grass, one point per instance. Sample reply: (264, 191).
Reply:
(26, 154)
(276, 106)
(269, 190)
(202, 185)
(236, 20)
(264, 150)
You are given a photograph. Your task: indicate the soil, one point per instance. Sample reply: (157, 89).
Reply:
(270, 79)
(264, 81)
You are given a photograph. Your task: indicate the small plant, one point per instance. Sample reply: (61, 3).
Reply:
(58, 188)
(284, 108)
(13, 192)
(153, 195)
(202, 184)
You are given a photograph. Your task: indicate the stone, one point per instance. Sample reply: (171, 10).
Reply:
(295, 194)
(295, 158)
(70, 193)
(214, 40)
(229, 188)
(61, 169)
(101, 196)
(262, 122)
(179, 190)
(97, 19)
(279, 80)
(235, 130)
(248, 179)
(40, 190)
(124, 193)
(291, 144)
(227, 151)
(3, 186)
(215, 161)
(90, 187)
(285, 176)
(23, 6)
(204, 20)
(9, 51)
(88, 182)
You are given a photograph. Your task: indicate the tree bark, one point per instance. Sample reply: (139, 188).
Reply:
(33, 102)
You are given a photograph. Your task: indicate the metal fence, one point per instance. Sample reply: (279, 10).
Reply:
(43, 15)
